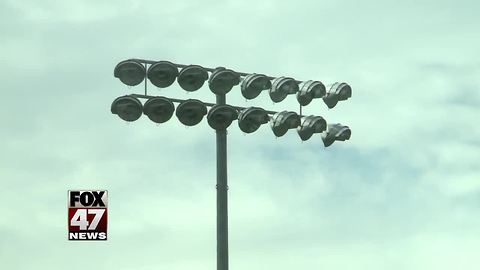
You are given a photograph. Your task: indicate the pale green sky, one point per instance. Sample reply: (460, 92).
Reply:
(402, 194)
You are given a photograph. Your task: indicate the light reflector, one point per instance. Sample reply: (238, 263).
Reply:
(336, 132)
(311, 124)
(159, 109)
(250, 119)
(127, 108)
(223, 80)
(281, 122)
(337, 92)
(221, 116)
(281, 87)
(162, 74)
(192, 78)
(309, 91)
(191, 112)
(254, 84)
(130, 72)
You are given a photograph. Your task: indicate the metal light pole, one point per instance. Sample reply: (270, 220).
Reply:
(190, 112)
(222, 195)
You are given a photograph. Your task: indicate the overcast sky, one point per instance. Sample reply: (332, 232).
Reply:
(403, 193)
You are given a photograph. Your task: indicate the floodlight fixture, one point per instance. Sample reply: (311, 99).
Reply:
(281, 122)
(223, 80)
(311, 124)
(337, 92)
(159, 109)
(130, 72)
(192, 78)
(162, 74)
(191, 112)
(336, 132)
(281, 87)
(250, 119)
(254, 84)
(221, 116)
(310, 90)
(127, 108)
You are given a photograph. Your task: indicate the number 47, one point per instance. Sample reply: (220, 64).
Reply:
(80, 218)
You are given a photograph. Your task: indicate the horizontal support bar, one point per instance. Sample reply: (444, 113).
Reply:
(144, 61)
(206, 103)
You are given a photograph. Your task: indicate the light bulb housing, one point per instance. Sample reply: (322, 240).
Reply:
(191, 78)
(223, 80)
(162, 74)
(250, 119)
(127, 108)
(281, 122)
(220, 117)
(310, 90)
(311, 124)
(159, 109)
(336, 132)
(253, 84)
(281, 87)
(191, 112)
(337, 92)
(130, 72)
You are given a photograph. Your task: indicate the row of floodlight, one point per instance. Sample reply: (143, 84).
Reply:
(192, 77)
(191, 112)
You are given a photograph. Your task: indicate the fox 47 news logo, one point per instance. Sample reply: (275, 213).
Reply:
(87, 215)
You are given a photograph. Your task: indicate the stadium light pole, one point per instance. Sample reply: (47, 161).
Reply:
(222, 195)
(190, 112)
